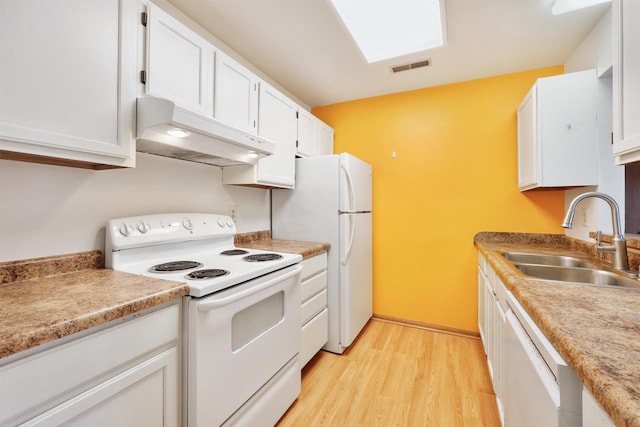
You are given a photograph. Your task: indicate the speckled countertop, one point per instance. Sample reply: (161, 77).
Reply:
(44, 299)
(595, 329)
(262, 240)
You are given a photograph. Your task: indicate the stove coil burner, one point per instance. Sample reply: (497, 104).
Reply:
(262, 257)
(234, 252)
(170, 267)
(206, 274)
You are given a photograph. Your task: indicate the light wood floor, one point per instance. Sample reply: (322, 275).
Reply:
(397, 376)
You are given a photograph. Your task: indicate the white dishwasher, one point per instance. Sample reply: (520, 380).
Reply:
(540, 388)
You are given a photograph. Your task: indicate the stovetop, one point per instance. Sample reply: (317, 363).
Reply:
(202, 241)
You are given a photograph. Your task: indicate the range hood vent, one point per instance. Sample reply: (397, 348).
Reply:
(168, 130)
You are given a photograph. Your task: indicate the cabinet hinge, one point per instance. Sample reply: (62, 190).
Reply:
(296, 144)
(143, 77)
(143, 18)
(297, 116)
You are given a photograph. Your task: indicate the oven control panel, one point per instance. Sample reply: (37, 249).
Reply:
(132, 232)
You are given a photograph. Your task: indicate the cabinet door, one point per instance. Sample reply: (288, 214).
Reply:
(592, 413)
(131, 358)
(68, 80)
(306, 145)
(557, 122)
(236, 94)
(179, 63)
(277, 122)
(626, 81)
(324, 134)
(145, 395)
(489, 313)
(482, 308)
(527, 135)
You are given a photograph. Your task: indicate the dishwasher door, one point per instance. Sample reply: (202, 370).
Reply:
(532, 397)
(531, 391)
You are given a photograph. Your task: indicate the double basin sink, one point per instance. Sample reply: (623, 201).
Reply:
(569, 269)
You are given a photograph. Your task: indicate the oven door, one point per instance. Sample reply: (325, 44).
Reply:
(238, 339)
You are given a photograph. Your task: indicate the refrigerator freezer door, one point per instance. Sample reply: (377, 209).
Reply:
(355, 184)
(356, 293)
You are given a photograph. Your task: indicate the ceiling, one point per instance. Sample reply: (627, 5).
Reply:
(303, 46)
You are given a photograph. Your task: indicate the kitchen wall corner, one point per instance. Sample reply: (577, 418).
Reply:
(596, 52)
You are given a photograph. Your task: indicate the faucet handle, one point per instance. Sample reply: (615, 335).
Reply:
(600, 248)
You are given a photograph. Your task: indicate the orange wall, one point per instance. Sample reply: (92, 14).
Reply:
(454, 175)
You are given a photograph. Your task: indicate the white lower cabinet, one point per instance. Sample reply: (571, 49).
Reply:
(491, 320)
(592, 413)
(523, 364)
(123, 375)
(314, 318)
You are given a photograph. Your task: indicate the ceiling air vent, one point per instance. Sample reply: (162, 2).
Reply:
(406, 67)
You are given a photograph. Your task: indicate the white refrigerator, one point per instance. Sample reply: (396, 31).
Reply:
(332, 203)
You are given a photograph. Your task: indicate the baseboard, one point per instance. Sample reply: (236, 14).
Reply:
(427, 326)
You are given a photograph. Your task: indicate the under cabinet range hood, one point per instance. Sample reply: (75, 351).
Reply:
(168, 130)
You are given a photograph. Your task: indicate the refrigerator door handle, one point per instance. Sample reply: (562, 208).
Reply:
(352, 192)
(352, 233)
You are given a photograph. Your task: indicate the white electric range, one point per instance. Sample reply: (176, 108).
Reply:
(242, 315)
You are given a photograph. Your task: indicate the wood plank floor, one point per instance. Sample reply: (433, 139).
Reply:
(396, 375)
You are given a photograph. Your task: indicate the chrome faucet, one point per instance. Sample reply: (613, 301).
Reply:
(619, 247)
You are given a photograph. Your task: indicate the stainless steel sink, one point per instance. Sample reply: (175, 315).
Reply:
(591, 276)
(549, 259)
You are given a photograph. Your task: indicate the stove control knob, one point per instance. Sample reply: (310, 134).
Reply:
(124, 229)
(186, 223)
(221, 223)
(143, 227)
(229, 223)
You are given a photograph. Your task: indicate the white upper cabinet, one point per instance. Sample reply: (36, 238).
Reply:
(315, 138)
(306, 145)
(626, 81)
(557, 132)
(179, 63)
(276, 122)
(68, 81)
(236, 94)
(324, 142)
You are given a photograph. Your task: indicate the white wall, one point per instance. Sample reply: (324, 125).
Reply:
(596, 52)
(48, 210)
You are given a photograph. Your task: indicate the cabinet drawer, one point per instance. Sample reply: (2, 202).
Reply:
(313, 265)
(314, 306)
(45, 379)
(312, 286)
(315, 335)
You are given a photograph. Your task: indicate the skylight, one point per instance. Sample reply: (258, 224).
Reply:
(562, 6)
(385, 29)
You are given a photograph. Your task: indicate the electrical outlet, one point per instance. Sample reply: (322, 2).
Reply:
(582, 216)
(232, 211)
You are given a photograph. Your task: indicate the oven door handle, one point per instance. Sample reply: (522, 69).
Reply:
(212, 305)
